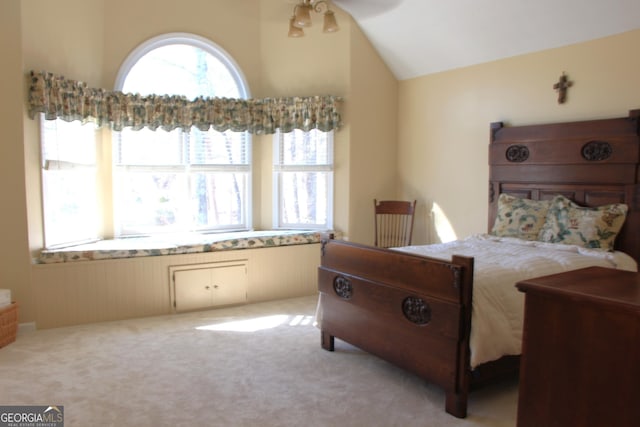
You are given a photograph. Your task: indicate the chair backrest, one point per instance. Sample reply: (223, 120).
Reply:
(393, 222)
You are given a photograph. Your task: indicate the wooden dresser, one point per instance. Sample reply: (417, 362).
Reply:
(580, 362)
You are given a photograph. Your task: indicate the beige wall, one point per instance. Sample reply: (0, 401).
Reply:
(372, 115)
(444, 119)
(89, 39)
(14, 252)
(232, 24)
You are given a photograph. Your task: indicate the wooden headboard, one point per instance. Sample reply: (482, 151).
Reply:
(593, 163)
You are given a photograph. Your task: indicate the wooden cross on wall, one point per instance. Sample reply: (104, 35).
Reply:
(561, 87)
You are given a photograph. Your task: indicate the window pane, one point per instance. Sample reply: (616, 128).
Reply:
(219, 148)
(68, 141)
(303, 169)
(154, 201)
(70, 208)
(304, 198)
(180, 69)
(305, 148)
(69, 182)
(218, 199)
(147, 147)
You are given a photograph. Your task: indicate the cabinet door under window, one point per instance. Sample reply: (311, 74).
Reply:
(209, 285)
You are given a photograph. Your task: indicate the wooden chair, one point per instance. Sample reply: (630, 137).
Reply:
(393, 222)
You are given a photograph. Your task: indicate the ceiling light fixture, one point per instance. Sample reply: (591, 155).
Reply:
(302, 17)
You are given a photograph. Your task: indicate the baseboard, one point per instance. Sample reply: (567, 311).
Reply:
(27, 327)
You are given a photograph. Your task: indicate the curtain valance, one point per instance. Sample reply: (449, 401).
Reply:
(58, 97)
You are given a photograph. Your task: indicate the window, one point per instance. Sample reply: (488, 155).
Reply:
(69, 182)
(303, 179)
(181, 181)
(193, 180)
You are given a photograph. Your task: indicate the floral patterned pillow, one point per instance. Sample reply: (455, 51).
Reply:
(521, 218)
(571, 224)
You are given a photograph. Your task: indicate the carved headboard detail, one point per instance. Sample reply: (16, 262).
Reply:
(593, 162)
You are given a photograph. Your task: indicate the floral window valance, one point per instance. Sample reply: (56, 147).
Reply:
(58, 97)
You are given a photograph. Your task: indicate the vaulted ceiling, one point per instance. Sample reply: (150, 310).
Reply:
(419, 37)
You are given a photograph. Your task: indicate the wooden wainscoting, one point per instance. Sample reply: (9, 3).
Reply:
(94, 291)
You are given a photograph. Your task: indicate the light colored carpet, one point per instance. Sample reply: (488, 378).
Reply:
(254, 365)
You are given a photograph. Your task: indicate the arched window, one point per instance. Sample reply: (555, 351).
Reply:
(180, 181)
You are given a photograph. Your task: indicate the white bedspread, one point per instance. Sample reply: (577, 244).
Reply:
(498, 307)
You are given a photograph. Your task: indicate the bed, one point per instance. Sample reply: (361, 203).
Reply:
(416, 309)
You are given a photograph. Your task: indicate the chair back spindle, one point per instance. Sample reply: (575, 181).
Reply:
(393, 222)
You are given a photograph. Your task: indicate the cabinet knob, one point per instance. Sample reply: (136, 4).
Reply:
(207, 287)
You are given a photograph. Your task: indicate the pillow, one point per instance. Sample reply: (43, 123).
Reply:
(571, 224)
(521, 218)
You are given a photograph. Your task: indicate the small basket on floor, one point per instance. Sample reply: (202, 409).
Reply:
(8, 324)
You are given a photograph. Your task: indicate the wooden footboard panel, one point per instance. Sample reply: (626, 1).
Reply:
(410, 310)
(394, 268)
(373, 320)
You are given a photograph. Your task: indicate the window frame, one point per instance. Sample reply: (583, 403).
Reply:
(243, 92)
(188, 39)
(185, 171)
(90, 205)
(279, 167)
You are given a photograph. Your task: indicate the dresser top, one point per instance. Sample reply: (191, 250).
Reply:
(597, 284)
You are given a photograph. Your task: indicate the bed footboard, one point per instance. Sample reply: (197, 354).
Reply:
(412, 311)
